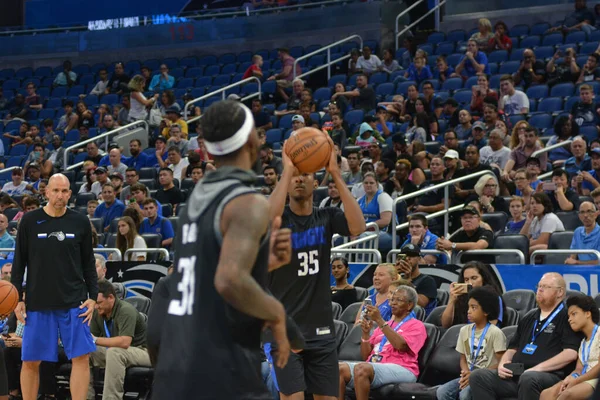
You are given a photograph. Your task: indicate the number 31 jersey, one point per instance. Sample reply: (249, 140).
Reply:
(303, 285)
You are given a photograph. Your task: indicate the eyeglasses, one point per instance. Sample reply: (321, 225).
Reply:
(491, 186)
(587, 212)
(545, 287)
(398, 300)
(520, 179)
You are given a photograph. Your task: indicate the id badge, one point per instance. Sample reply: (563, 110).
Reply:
(376, 358)
(530, 349)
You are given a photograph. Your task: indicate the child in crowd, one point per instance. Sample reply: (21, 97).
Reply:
(516, 207)
(91, 207)
(480, 343)
(419, 70)
(255, 69)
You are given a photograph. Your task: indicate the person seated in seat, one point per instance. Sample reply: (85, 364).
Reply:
(491, 344)
(472, 236)
(586, 236)
(517, 220)
(383, 276)
(391, 352)
(128, 238)
(580, 384)
(487, 194)
(477, 275)
(119, 333)
(541, 222)
(407, 266)
(544, 344)
(420, 235)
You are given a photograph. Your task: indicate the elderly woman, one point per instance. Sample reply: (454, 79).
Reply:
(383, 277)
(484, 35)
(541, 222)
(487, 194)
(391, 352)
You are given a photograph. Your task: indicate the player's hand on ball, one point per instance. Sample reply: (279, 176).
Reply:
(20, 312)
(287, 161)
(87, 315)
(281, 245)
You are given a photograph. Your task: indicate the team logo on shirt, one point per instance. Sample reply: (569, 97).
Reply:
(60, 236)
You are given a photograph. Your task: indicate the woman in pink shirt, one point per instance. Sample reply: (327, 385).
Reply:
(391, 352)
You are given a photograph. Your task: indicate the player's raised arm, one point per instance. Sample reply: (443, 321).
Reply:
(278, 196)
(352, 211)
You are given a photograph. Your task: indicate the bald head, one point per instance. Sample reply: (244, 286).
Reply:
(58, 192)
(58, 179)
(557, 278)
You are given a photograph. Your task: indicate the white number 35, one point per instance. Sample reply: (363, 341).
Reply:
(309, 263)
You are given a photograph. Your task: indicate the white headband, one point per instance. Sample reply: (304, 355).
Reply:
(236, 141)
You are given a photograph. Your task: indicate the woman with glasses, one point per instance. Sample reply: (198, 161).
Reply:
(517, 138)
(541, 222)
(391, 352)
(487, 193)
(523, 188)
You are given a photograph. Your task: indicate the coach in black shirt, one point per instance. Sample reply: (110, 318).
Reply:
(544, 343)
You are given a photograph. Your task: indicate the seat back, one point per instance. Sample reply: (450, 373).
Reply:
(521, 300)
(341, 331)
(350, 348)
(442, 297)
(509, 332)
(511, 242)
(141, 303)
(349, 314)
(496, 220)
(97, 223)
(511, 317)
(419, 313)
(361, 293)
(435, 317)
(433, 336)
(120, 290)
(444, 363)
(558, 240)
(337, 310)
(570, 219)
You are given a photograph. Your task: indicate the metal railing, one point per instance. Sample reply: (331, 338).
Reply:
(372, 235)
(391, 259)
(413, 23)
(549, 148)
(102, 136)
(110, 250)
(222, 91)
(160, 250)
(427, 190)
(563, 251)
(375, 254)
(402, 14)
(436, 214)
(458, 256)
(329, 62)
(8, 169)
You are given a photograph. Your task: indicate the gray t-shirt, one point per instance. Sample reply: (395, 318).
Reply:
(489, 156)
(548, 224)
(493, 342)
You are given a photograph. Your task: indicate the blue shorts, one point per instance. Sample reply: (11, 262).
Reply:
(40, 335)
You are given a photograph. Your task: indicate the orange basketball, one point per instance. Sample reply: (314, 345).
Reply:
(309, 150)
(8, 298)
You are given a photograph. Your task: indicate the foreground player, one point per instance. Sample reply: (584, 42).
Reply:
(55, 244)
(303, 284)
(210, 342)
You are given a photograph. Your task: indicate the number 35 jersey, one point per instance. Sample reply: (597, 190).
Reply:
(303, 285)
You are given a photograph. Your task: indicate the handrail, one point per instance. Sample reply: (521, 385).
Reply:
(223, 90)
(106, 134)
(407, 28)
(164, 252)
(518, 252)
(436, 214)
(423, 251)
(109, 250)
(329, 62)
(373, 252)
(8, 169)
(549, 148)
(427, 190)
(545, 175)
(75, 166)
(562, 251)
(404, 12)
(372, 235)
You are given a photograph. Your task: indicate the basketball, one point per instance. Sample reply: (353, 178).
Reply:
(309, 149)
(8, 298)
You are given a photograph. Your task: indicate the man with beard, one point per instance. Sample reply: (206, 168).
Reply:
(138, 159)
(333, 200)
(355, 175)
(520, 154)
(467, 188)
(586, 236)
(270, 176)
(580, 161)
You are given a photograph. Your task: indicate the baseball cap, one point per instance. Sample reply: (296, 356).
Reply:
(469, 210)
(594, 151)
(410, 250)
(365, 127)
(34, 165)
(173, 110)
(451, 154)
(479, 124)
(366, 161)
(116, 175)
(381, 108)
(535, 160)
(161, 138)
(100, 170)
(399, 138)
(298, 117)
(233, 96)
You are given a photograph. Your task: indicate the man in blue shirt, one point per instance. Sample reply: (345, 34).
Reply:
(420, 236)
(110, 208)
(473, 62)
(105, 160)
(590, 180)
(162, 81)
(155, 223)
(138, 159)
(580, 161)
(586, 237)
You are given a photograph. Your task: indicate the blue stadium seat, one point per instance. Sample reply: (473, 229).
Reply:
(269, 87)
(322, 94)
(509, 67)
(80, 157)
(454, 59)
(470, 82)
(14, 161)
(537, 91)
(229, 69)
(87, 79)
(498, 56)
(428, 48)
(171, 62)
(285, 122)
(463, 96)
(54, 102)
(436, 37)
(550, 104)
(91, 100)
(539, 29)
(456, 35)
(385, 89)
(552, 39)
(378, 78)
(452, 84)
(222, 80)
(188, 62)
(194, 72)
(228, 58)
(588, 48)
(203, 81)
(76, 90)
(576, 37)
(530, 42)
(562, 90)
(296, 51)
(354, 117)
(12, 126)
(541, 121)
(11, 84)
(519, 30)
(543, 52)
(445, 48)
(589, 132)
(207, 60)
(248, 88)
(185, 83)
(242, 67)
(7, 73)
(245, 57)
(47, 113)
(212, 70)
(274, 135)
(335, 79)
(110, 99)
(564, 47)
(570, 102)
(176, 72)
(43, 71)
(18, 150)
(24, 73)
(59, 91)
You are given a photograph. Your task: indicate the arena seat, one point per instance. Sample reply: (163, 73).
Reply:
(496, 220)
(570, 293)
(511, 242)
(341, 331)
(361, 293)
(349, 314)
(558, 241)
(98, 224)
(511, 317)
(435, 317)
(570, 219)
(141, 303)
(81, 199)
(350, 348)
(419, 313)
(442, 297)
(337, 310)
(521, 300)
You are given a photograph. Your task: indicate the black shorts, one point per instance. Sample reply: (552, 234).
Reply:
(315, 370)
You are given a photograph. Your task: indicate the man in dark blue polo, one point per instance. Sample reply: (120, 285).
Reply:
(110, 208)
(138, 159)
(155, 223)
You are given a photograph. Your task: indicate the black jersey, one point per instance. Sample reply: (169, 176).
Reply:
(209, 350)
(303, 285)
(59, 256)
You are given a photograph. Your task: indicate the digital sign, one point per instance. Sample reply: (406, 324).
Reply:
(131, 22)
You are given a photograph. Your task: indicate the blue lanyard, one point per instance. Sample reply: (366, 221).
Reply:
(475, 353)
(384, 339)
(106, 329)
(548, 320)
(585, 356)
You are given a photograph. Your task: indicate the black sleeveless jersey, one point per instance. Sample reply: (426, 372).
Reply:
(208, 349)
(303, 285)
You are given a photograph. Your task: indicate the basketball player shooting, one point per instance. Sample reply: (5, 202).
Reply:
(210, 342)
(303, 285)
(55, 244)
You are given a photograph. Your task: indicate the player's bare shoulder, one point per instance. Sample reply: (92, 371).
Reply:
(247, 210)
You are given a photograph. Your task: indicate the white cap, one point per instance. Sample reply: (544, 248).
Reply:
(451, 154)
